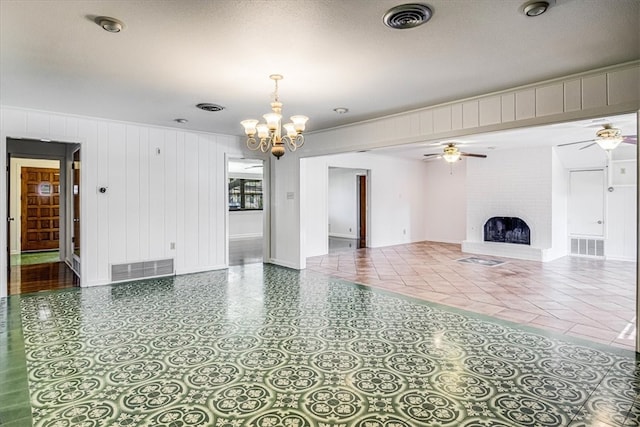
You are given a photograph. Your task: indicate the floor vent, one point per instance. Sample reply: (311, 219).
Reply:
(76, 265)
(139, 270)
(587, 247)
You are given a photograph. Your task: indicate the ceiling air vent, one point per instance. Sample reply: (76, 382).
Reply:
(210, 107)
(407, 16)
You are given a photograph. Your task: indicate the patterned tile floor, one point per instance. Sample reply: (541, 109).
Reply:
(267, 346)
(591, 299)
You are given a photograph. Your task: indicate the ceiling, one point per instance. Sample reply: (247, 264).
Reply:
(174, 54)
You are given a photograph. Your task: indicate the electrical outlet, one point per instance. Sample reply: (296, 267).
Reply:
(623, 171)
(404, 231)
(349, 229)
(172, 245)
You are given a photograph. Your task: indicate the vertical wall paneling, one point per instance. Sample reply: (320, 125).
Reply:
(204, 193)
(572, 95)
(623, 86)
(426, 122)
(508, 107)
(456, 116)
(58, 127)
(170, 191)
(191, 199)
(102, 143)
(180, 202)
(133, 192)
(442, 119)
(594, 91)
(549, 100)
(38, 124)
(157, 206)
(117, 193)
(470, 117)
(490, 111)
(216, 165)
(525, 104)
(89, 200)
(144, 156)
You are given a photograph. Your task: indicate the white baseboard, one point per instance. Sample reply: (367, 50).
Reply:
(343, 236)
(247, 236)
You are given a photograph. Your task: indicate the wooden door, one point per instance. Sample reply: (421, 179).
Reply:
(40, 199)
(362, 211)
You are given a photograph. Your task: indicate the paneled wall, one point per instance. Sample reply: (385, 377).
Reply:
(164, 187)
(606, 91)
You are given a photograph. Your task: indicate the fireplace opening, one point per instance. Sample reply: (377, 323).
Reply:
(507, 229)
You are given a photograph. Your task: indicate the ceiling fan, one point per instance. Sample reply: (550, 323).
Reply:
(608, 138)
(452, 154)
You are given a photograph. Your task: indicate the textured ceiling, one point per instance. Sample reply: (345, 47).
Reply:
(332, 53)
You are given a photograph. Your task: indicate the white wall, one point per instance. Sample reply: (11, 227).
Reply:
(559, 207)
(245, 224)
(396, 199)
(16, 191)
(445, 195)
(343, 202)
(620, 217)
(164, 185)
(315, 205)
(516, 183)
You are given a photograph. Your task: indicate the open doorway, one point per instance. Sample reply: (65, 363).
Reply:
(246, 197)
(39, 241)
(348, 214)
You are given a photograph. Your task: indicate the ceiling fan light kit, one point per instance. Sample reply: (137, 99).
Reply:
(451, 154)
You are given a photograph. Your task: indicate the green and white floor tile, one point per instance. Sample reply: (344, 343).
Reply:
(266, 346)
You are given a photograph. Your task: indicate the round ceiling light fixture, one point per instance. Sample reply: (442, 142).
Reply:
(181, 121)
(408, 15)
(109, 24)
(535, 8)
(341, 110)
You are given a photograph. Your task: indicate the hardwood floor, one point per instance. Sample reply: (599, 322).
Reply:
(24, 279)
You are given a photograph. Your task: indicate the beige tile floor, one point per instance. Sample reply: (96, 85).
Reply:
(585, 298)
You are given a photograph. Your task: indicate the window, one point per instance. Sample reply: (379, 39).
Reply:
(245, 194)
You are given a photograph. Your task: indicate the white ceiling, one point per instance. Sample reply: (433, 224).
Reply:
(174, 54)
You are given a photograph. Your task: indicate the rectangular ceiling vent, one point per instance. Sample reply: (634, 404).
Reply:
(141, 270)
(587, 247)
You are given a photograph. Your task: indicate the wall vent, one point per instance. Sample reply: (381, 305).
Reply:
(587, 247)
(76, 265)
(140, 270)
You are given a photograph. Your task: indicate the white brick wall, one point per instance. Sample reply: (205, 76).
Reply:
(515, 183)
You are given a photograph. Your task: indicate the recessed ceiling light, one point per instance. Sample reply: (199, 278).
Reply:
(408, 15)
(535, 8)
(181, 121)
(341, 110)
(109, 24)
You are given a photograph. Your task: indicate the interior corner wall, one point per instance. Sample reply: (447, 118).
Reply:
(343, 202)
(164, 186)
(287, 186)
(315, 204)
(559, 206)
(445, 195)
(396, 198)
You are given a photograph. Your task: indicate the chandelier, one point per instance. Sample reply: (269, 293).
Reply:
(269, 134)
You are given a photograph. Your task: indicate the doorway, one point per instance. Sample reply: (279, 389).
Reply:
(38, 234)
(347, 206)
(246, 211)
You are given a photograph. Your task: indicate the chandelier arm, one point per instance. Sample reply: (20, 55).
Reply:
(265, 144)
(253, 144)
(293, 143)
